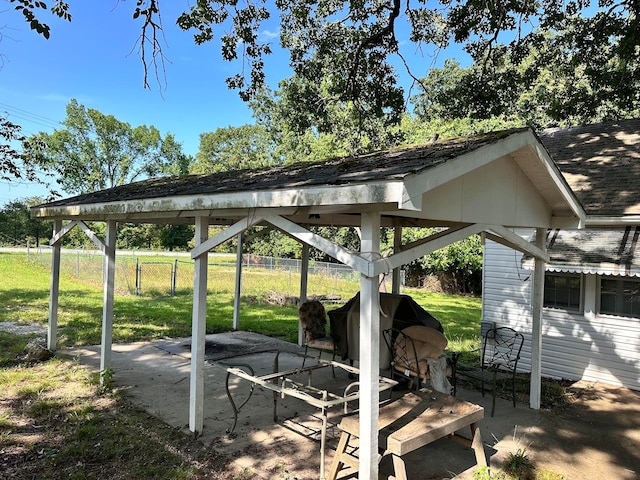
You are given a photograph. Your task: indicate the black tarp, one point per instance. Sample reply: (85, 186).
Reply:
(396, 310)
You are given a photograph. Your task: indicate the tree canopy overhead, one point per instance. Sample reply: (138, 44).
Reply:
(351, 45)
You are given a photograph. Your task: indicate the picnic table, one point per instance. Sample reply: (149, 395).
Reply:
(408, 423)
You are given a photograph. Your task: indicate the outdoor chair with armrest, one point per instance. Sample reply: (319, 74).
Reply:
(313, 322)
(499, 355)
(412, 350)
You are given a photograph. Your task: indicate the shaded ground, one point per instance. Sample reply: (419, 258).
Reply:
(597, 435)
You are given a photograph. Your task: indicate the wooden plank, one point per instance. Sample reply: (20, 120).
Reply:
(416, 420)
(478, 448)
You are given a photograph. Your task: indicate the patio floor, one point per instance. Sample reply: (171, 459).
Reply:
(155, 375)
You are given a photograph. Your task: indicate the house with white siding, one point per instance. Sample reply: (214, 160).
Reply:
(591, 314)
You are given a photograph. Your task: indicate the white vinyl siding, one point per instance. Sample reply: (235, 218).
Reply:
(589, 346)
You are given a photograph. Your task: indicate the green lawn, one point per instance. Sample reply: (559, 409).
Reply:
(24, 297)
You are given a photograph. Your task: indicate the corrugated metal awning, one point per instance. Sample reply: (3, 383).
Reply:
(604, 251)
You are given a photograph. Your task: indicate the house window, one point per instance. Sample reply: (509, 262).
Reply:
(562, 291)
(620, 296)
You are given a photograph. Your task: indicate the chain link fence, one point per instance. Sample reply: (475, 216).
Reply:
(158, 274)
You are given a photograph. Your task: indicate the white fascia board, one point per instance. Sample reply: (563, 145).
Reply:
(561, 184)
(380, 192)
(417, 184)
(611, 221)
(326, 246)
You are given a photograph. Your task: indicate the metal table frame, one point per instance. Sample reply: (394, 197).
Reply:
(282, 385)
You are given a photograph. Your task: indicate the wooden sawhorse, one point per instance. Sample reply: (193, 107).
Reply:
(408, 423)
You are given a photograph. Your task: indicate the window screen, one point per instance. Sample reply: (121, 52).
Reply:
(562, 291)
(620, 296)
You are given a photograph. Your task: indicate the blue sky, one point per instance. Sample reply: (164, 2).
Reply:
(94, 60)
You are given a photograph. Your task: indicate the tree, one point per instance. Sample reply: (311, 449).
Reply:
(346, 48)
(304, 126)
(97, 151)
(30, 9)
(16, 225)
(234, 148)
(544, 89)
(347, 45)
(12, 164)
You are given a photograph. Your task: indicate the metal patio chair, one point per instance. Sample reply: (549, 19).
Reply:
(499, 355)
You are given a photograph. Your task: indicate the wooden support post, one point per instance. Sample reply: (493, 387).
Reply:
(304, 283)
(54, 289)
(198, 329)
(369, 350)
(238, 290)
(109, 273)
(397, 247)
(536, 327)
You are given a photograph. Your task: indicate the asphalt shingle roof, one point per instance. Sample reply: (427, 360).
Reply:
(595, 250)
(384, 165)
(601, 163)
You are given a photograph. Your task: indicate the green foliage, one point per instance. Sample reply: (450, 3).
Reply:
(519, 465)
(553, 84)
(10, 159)
(458, 265)
(17, 227)
(234, 148)
(29, 9)
(340, 51)
(96, 151)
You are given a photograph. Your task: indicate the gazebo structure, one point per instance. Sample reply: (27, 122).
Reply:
(490, 184)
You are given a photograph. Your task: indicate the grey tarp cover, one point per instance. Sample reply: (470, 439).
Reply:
(396, 310)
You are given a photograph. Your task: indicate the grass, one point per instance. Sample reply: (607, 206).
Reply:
(25, 297)
(56, 421)
(54, 424)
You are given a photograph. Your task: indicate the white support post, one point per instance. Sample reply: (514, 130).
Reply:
(238, 290)
(536, 326)
(198, 329)
(54, 289)
(369, 351)
(304, 283)
(397, 247)
(109, 273)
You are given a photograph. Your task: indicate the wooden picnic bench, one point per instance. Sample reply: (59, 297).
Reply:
(408, 423)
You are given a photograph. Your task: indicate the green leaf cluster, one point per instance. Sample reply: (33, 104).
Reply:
(96, 151)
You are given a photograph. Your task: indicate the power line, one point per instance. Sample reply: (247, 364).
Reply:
(29, 116)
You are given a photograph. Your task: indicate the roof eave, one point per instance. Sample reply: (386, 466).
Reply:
(611, 221)
(288, 201)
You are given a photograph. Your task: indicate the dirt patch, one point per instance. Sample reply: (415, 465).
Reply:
(595, 435)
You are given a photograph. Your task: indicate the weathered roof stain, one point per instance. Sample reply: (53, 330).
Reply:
(393, 164)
